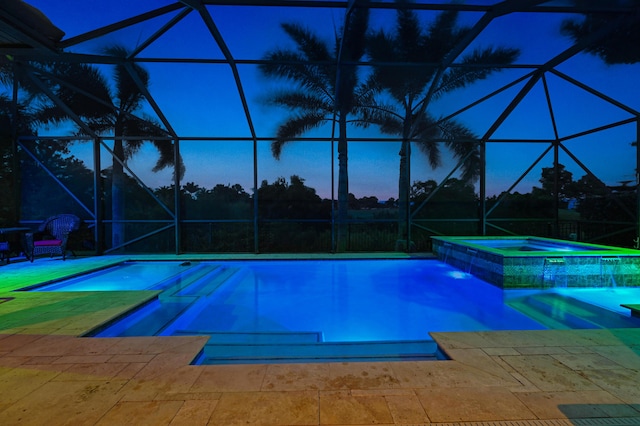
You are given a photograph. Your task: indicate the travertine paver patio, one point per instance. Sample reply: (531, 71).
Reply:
(48, 376)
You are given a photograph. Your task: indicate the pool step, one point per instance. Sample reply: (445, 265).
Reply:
(209, 283)
(635, 309)
(542, 316)
(187, 278)
(156, 316)
(275, 350)
(254, 338)
(563, 312)
(147, 321)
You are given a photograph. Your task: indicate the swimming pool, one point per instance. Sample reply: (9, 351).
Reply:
(298, 310)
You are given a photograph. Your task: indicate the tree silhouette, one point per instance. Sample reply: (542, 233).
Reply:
(86, 91)
(410, 89)
(20, 118)
(620, 44)
(324, 90)
(565, 185)
(41, 195)
(16, 119)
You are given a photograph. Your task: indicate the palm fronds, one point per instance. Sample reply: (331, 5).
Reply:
(293, 127)
(476, 66)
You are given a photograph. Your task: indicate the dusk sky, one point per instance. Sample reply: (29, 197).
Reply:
(201, 99)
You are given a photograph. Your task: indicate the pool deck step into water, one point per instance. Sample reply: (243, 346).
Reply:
(209, 282)
(150, 320)
(276, 352)
(253, 337)
(300, 347)
(562, 312)
(188, 277)
(158, 316)
(635, 309)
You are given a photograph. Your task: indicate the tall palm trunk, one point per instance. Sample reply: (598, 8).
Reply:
(117, 193)
(343, 185)
(320, 93)
(403, 184)
(403, 195)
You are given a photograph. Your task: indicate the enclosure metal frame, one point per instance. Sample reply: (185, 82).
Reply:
(21, 59)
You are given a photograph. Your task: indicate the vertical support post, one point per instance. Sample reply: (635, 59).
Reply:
(177, 212)
(16, 174)
(256, 242)
(482, 207)
(98, 205)
(637, 243)
(333, 187)
(556, 189)
(408, 208)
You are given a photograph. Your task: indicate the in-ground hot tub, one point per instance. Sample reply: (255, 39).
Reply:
(534, 262)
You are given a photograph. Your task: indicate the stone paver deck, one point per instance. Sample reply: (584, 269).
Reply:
(49, 376)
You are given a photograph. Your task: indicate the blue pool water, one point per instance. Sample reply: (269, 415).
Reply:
(315, 305)
(533, 244)
(126, 276)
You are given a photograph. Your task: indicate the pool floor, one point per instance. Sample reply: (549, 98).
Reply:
(327, 310)
(340, 301)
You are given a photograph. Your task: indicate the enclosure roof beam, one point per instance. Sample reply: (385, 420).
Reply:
(506, 7)
(592, 7)
(166, 27)
(217, 36)
(596, 93)
(91, 96)
(549, 65)
(90, 35)
(56, 100)
(145, 91)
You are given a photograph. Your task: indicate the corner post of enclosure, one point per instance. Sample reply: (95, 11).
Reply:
(98, 205)
(176, 184)
(333, 186)
(556, 190)
(482, 189)
(637, 242)
(256, 242)
(15, 160)
(408, 207)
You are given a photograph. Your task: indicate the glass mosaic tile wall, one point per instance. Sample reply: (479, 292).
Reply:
(583, 265)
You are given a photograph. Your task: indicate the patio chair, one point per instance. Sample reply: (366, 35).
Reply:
(52, 236)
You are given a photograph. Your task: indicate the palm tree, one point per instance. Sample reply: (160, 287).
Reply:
(87, 93)
(326, 89)
(619, 45)
(614, 39)
(410, 89)
(18, 117)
